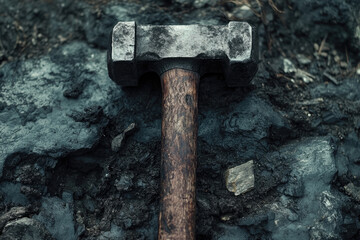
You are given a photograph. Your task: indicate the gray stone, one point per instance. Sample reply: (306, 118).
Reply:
(25, 229)
(116, 143)
(302, 59)
(32, 92)
(244, 12)
(262, 117)
(313, 162)
(288, 66)
(240, 126)
(240, 179)
(331, 217)
(57, 217)
(245, 127)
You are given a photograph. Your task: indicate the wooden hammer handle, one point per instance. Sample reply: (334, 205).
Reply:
(178, 154)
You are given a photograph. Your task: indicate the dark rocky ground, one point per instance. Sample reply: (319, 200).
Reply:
(64, 177)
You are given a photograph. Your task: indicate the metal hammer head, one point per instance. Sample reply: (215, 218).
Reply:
(230, 49)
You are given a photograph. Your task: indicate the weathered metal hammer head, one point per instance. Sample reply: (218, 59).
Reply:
(230, 49)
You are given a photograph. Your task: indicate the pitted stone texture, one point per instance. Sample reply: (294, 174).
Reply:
(36, 117)
(244, 127)
(313, 162)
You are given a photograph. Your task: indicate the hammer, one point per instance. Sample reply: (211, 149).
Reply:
(180, 55)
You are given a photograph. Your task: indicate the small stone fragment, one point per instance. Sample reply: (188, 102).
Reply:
(116, 143)
(343, 64)
(203, 3)
(337, 58)
(244, 12)
(225, 218)
(288, 66)
(353, 191)
(240, 179)
(323, 54)
(302, 59)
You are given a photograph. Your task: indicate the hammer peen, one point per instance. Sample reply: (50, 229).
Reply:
(180, 55)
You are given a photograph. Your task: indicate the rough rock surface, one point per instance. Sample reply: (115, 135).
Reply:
(61, 116)
(314, 214)
(338, 18)
(57, 217)
(26, 229)
(37, 118)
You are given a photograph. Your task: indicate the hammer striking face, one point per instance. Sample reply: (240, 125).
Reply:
(230, 49)
(180, 55)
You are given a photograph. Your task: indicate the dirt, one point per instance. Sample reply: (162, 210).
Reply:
(121, 188)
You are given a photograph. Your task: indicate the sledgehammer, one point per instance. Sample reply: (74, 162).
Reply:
(180, 55)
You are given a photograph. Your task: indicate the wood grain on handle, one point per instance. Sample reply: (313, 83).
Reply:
(178, 154)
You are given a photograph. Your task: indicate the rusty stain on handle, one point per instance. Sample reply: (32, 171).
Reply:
(178, 155)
